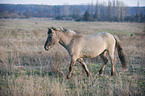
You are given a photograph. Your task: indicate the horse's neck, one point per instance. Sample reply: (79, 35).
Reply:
(65, 39)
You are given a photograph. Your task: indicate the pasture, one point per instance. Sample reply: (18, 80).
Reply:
(26, 69)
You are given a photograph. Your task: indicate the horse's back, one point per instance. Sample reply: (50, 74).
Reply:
(99, 38)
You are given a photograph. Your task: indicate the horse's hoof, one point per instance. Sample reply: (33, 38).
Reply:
(68, 77)
(112, 74)
(100, 75)
(88, 74)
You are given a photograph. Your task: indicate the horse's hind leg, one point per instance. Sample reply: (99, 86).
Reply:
(111, 55)
(113, 63)
(105, 60)
(80, 60)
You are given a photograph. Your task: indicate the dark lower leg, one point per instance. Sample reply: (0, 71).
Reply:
(112, 70)
(86, 70)
(102, 69)
(70, 69)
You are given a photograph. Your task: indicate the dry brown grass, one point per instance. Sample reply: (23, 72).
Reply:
(28, 70)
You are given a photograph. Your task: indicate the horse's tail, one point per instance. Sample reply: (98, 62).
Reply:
(120, 53)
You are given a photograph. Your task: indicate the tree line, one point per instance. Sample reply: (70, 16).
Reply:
(112, 11)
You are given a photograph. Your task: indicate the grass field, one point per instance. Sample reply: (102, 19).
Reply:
(26, 69)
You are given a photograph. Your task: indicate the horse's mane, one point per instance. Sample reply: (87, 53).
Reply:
(63, 30)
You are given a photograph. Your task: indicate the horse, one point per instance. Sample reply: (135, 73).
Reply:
(80, 46)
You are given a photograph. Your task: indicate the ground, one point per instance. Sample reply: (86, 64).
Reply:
(27, 69)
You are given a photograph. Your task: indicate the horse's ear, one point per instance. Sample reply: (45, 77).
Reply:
(53, 28)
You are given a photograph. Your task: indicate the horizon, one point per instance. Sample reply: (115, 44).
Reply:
(70, 2)
(60, 5)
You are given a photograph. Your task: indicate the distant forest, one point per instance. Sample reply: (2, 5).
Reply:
(113, 11)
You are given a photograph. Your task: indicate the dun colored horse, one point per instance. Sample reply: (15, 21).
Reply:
(79, 46)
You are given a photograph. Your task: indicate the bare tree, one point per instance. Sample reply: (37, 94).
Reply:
(92, 10)
(65, 10)
(138, 12)
(41, 11)
(103, 12)
(109, 11)
(57, 11)
(118, 10)
(114, 9)
(122, 11)
(76, 13)
(96, 15)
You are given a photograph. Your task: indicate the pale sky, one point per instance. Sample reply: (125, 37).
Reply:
(69, 2)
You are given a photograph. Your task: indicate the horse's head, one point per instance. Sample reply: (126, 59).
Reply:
(52, 38)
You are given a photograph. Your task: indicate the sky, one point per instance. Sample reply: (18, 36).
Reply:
(69, 2)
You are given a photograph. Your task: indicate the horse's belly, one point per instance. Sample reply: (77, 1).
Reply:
(92, 51)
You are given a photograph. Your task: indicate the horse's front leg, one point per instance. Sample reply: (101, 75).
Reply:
(71, 68)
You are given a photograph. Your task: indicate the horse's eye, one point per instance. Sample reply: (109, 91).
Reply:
(50, 37)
